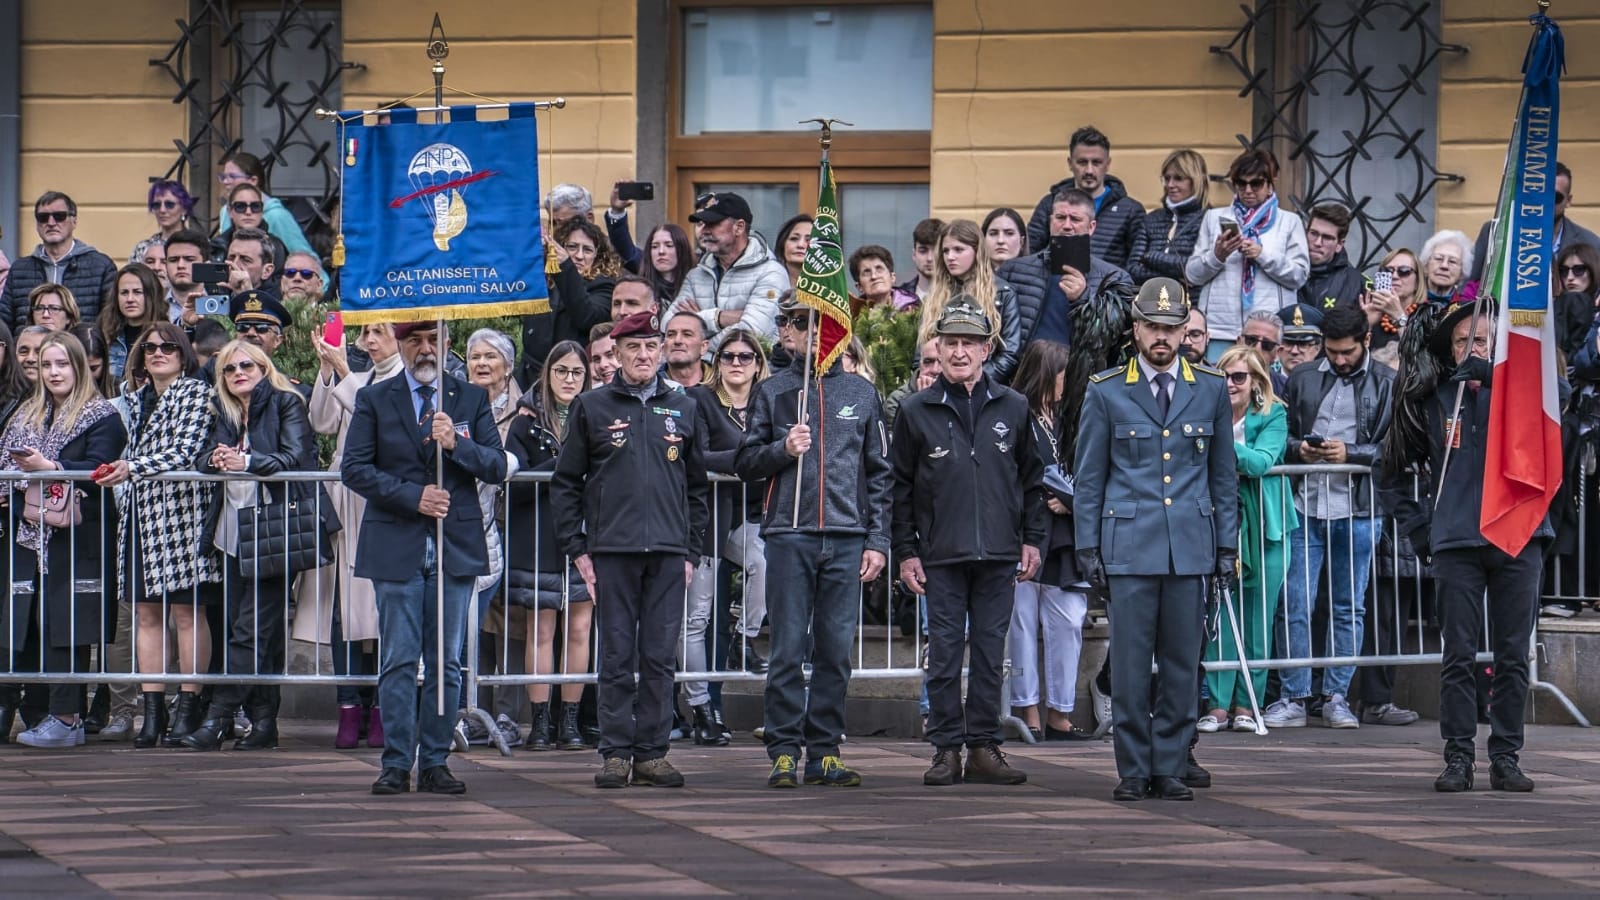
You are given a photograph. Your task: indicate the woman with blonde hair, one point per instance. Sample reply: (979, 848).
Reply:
(1266, 516)
(963, 269)
(261, 429)
(66, 425)
(1162, 246)
(53, 306)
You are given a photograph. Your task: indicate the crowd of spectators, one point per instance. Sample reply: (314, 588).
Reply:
(133, 372)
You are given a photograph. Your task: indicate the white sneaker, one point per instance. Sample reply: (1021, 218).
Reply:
(53, 734)
(1102, 709)
(1336, 713)
(1208, 724)
(1285, 714)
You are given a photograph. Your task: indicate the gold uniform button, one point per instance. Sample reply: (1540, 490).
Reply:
(1166, 479)
(1167, 501)
(1166, 433)
(1166, 456)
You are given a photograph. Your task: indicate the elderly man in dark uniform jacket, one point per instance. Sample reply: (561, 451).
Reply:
(396, 432)
(630, 498)
(964, 438)
(1475, 580)
(1156, 511)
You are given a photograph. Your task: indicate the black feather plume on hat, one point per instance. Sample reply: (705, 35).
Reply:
(1102, 337)
(1406, 443)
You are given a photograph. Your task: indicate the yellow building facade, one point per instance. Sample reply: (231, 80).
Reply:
(1004, 83)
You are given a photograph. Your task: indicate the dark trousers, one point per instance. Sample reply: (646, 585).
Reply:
(969, 607)
(352, 658)
(256, 641)
(813, 604)
(639, 610)
(1512, 583)
(1386, 626)
(1156, 617)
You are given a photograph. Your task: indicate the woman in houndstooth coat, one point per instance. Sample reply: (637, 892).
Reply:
(161, 554)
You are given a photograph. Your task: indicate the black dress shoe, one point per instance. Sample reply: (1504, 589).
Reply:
(438, 780)
(1195, 775)
(1166, 787)
(1131, 789)
(392, 781)
(263, 736)
(1070, 734)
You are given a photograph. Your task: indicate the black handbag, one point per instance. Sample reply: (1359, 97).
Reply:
(283, 537)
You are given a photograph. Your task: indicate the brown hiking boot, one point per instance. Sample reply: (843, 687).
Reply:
(946, 769)
(987, 765)
(613, 775)
(656, 773)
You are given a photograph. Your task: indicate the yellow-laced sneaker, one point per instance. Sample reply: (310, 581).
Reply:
(782, 772)
(832, 772)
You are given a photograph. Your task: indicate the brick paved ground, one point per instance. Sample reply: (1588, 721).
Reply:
(1295, 812)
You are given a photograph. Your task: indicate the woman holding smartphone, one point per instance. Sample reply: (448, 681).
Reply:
(1250, 255)
(64, 426)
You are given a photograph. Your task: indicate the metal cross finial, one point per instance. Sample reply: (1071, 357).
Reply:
(826, 138)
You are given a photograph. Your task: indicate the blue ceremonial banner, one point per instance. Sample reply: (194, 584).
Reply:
(1525, 212)
(441, 221)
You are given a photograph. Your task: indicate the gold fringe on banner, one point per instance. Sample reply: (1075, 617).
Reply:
(1527, 318)
(435, 313)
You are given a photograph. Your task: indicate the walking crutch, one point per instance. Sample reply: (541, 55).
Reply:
(1238, 643)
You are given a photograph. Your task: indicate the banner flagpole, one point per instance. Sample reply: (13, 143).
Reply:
(438, 49)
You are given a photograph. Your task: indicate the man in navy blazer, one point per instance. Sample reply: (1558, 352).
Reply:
(398, 427)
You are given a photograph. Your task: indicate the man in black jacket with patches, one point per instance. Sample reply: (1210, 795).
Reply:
(1333, 281)
(969, 522)
(640, 440)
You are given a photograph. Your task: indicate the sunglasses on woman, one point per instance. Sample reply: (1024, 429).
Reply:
(243, 365)
(165, 348)
(1578, 269)
(1251, 340)
(1251, 184)
(246, 206)
(1239, 377)
(743, 358)
(168, 203)
(1400, 271)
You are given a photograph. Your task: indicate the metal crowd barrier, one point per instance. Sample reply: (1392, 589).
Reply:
(1394, 594)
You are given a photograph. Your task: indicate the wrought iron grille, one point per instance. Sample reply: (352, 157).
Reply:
(250, 76)
(1346, 94)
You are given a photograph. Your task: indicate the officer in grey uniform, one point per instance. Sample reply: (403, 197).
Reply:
(1155, 512)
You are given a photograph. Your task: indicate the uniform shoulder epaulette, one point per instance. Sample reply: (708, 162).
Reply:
(1108, 373)
(1201, 367)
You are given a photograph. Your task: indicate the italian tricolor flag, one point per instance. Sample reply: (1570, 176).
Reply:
(1522, 467)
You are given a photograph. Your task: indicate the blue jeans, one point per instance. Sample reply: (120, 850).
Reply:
(813, 604)
(408, 628)
(1347, 545)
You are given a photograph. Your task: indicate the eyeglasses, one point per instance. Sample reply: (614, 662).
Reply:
(1194, 335)
(1249, 184)
(743, 358)
(307, 274)
(168, 203)
(577, 249)
(790, 320)
(566, 374)
(243, 365)
(51, 215)
(255, 328)
(1579, 269)
(1251, 340)
(246, 206)
(1400, 271)
(54, 310)
(165, 348)
(1239, 377)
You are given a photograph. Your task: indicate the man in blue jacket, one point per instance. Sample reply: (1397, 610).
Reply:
(397, 429)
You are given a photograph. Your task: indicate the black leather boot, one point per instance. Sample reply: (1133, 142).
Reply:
(99, 710)
(208, 734)
(186, 716)
(706, 732)
(263, 734)
(539, 736)
(569, 737)
(155, 721)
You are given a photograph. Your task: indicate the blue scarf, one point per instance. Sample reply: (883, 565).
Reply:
(1252, 224)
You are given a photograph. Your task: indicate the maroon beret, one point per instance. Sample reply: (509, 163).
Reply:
(639, 325)
(402, 329)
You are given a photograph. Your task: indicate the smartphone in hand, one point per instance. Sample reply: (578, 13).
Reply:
(333, 329)
(1314, 439)
(1230, 228)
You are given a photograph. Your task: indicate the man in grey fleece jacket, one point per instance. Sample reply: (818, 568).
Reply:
(818, 557)
(738, 280)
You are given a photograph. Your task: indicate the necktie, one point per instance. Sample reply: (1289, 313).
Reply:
(1163, 382)
(425, 421)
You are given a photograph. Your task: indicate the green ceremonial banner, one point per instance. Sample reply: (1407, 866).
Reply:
(823, 284)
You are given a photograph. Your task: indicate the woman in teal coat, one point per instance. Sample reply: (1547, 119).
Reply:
(1266, 517)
